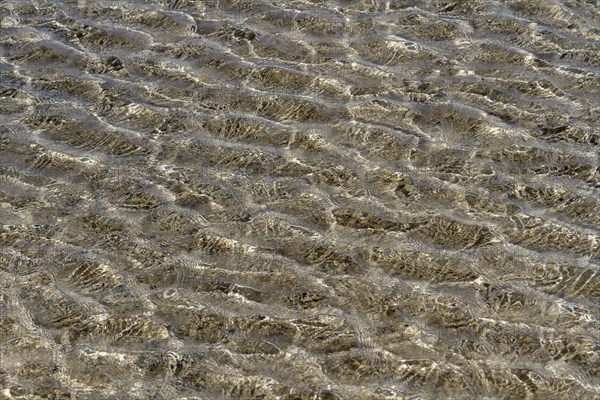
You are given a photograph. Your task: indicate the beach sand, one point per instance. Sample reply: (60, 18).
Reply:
(357, 199)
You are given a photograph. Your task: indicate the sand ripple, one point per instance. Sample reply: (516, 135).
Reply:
(299, 199)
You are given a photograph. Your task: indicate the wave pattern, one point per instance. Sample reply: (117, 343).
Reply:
(359, 199)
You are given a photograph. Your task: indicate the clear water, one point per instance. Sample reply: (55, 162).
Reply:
(299, 199)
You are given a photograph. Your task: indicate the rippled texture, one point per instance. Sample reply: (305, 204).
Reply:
(359, 199)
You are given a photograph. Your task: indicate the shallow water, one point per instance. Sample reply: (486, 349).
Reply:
(300, 199)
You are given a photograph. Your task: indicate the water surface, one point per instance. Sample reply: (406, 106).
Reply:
(299, 199)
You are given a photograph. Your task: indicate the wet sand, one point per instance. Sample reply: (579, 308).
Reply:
(299, 199)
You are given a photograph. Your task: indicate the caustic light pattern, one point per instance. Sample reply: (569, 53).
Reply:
(300, 199)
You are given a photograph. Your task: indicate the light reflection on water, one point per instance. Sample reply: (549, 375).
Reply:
(315, 200)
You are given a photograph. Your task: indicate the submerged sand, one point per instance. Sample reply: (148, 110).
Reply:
(299, 199)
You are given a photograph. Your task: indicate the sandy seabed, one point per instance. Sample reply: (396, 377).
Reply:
(352, 199)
